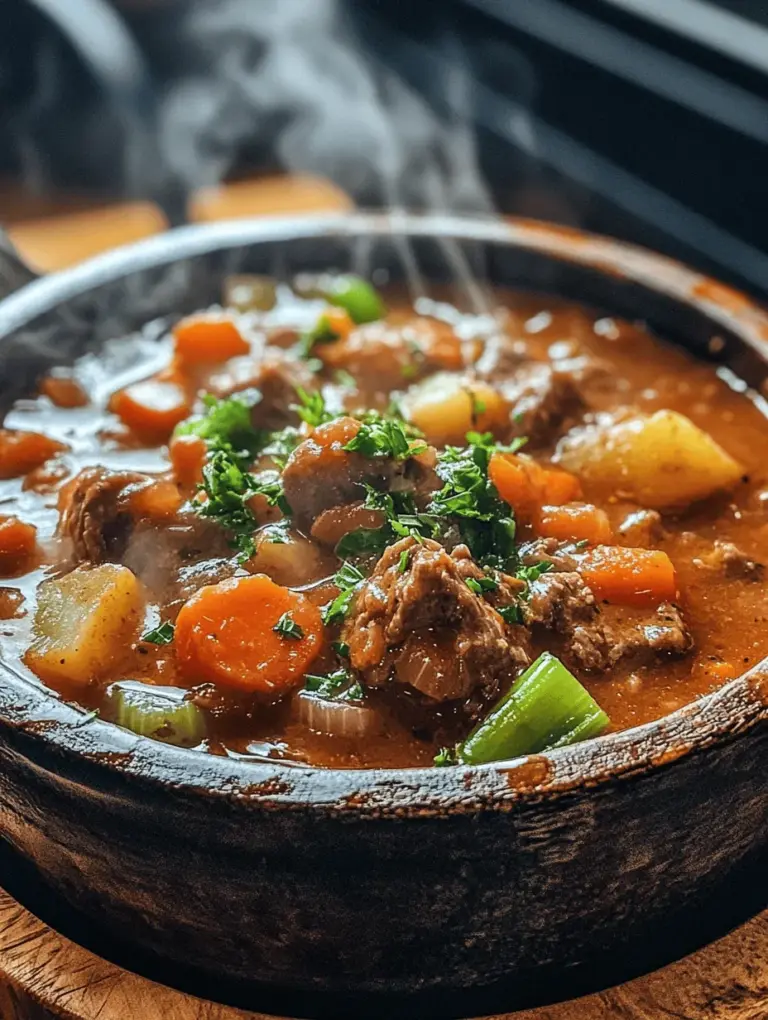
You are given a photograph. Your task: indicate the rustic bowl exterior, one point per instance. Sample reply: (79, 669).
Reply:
(441, 891)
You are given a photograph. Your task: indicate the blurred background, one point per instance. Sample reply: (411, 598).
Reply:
(644, 119)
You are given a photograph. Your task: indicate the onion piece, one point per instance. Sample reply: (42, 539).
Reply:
(334, 716)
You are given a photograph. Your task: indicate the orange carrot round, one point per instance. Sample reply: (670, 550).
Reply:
(22, 452)
(226, 634)
(187, 455)
(630, 577)
(151, 408)
(208, 339)
(574, 522)
(17, 542)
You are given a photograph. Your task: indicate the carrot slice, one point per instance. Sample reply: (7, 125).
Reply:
(226, 634)
(630, 577)
(151, 408)
(22, 452)
(17, 542)
(519, 481)
(574, 521)
(187, 455)
(560, 487)
(526, 485)
(208, 339)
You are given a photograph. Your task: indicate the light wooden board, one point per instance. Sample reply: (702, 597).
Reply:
(44, 975)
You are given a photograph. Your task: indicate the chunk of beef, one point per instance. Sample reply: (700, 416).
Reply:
(424, 627)
(541, 398)
(560, 601)
(276, 376)
(561, 555)
(629, 634)
(595, 638)
(380, 355)
(732, 562)
(94, 513)
(174, 560)
(641, 528)
(321, 474)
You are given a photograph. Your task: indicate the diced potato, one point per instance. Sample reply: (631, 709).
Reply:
(84, 624)
(446, 406)
(659, 461)
(288, 558)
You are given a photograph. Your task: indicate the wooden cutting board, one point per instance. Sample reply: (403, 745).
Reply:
(45, 976)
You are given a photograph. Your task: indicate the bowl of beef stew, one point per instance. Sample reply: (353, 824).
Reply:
(329, 593)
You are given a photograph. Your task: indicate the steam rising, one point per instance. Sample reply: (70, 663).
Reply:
(292, 75)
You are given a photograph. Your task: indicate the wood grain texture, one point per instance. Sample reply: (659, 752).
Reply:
(43, 976)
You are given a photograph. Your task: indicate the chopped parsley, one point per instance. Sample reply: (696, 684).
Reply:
(348, 578)
(226, 425)
(321, 333)
(386, 437)
(337, 684)
(446, 756)
(485, 521)
(228, 489)
(281, 445)
(287, 627)
(162, 635)
(402, 563)
(341, 648)
(483, 584)
(363, 541)
(311, 408)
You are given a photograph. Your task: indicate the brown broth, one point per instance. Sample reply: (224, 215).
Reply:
(727, 617)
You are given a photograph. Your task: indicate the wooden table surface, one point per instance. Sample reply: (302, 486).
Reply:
(44, 975)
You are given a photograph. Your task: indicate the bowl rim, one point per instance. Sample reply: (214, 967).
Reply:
(62, 737)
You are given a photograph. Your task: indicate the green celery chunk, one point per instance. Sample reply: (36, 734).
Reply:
(356, 296)
(545, 708)
(157, 712)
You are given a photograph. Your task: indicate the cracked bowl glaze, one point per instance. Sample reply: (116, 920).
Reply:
(430, 891)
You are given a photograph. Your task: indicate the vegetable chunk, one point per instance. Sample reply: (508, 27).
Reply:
(660, 461)
(446, 406)
(85, 623)
(235, 633)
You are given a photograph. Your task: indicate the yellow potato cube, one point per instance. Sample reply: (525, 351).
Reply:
(446, 406)
(84, 624)
(659, 461)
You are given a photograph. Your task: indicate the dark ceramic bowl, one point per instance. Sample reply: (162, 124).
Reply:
(437, 891)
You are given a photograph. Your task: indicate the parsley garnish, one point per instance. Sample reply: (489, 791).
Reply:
(226, 425)
(363, 541)
(282, 444)
(483, 584)
(228, 489)
(485, 521)
(287, 627)
(334, 685)
(446, 756)
(321, 333)
(162, 635)
(387, 437)
(349, 579)
(311, 407)
(341, 648)
(402, 563)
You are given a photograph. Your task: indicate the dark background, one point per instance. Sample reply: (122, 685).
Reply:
(639, 129)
